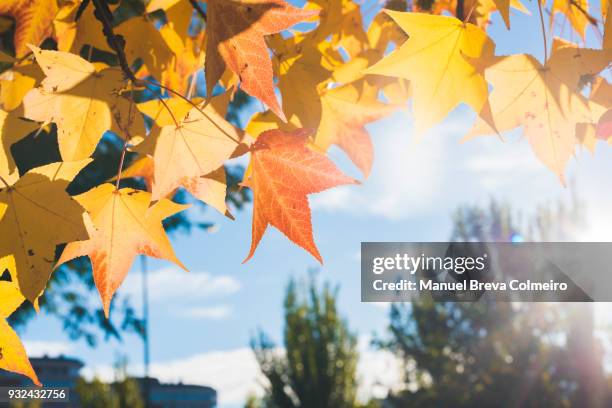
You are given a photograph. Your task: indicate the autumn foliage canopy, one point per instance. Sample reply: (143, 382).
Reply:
(321, 72)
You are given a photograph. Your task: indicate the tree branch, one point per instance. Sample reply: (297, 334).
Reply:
(198, 8)
(116, 42)
(460, 10)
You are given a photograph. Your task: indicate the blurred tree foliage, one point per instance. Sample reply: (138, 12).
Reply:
(124, 392)
(318, 367)
(500, 354)
(70, 288)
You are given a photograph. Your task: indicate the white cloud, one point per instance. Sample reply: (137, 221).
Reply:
(173, 283)
(37, 348)
(212, 312)
(436, 174)
(405, 179)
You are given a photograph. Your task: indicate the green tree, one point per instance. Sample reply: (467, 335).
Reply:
(124, 392)
(508, 354)
(318, 367)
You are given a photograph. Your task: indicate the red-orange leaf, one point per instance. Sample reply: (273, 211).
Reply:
(235, 33)
(123, 225)
(284, 172)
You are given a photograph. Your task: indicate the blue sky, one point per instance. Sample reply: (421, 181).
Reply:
(201, 321)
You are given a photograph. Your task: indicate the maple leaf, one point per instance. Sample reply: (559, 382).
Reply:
(83, 100)
(12, 129)
(13, 356)
(601, 93)
(343, 122)
(284, 172)
(543, 99)
(191, 152)
(178, 13)
(576, 12)
(73, 34)
(435, 59)
(342, 21)
(123, 224)
(303, 72)
(38, 215)
(482, 9)
(383, 31)
(179, 75)
(235, 33)
(33, 20)
(16, 82)
(143, 41)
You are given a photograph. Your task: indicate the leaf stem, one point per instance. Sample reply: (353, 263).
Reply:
(121, 161)
(543, 30)
(4, 181)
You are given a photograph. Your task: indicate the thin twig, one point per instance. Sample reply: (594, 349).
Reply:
(198, 8)
(543, 31)
(589, 17)
(195, 106)
(4, 181)
(164, 104)
(127, 138)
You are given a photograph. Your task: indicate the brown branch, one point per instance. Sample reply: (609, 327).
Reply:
(116, 42)
(198, 8)
(460, 10)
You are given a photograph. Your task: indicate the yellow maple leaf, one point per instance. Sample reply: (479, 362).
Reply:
(384, 31)
(435, 59)
(342, 20)
(123, 224)
(72, 34)
(191, 152)
(304, 68)
(178, 13)
(543, 100)
(143, 41)
(343, 120)
(575, 11)
(16, 82)
(13, 356)
(32, 21)
(84, 101)
(12, 129)
(38, 215)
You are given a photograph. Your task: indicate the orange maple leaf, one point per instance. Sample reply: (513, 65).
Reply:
(33, 21)
(235, 33)
(123, 224)
(283, 172)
